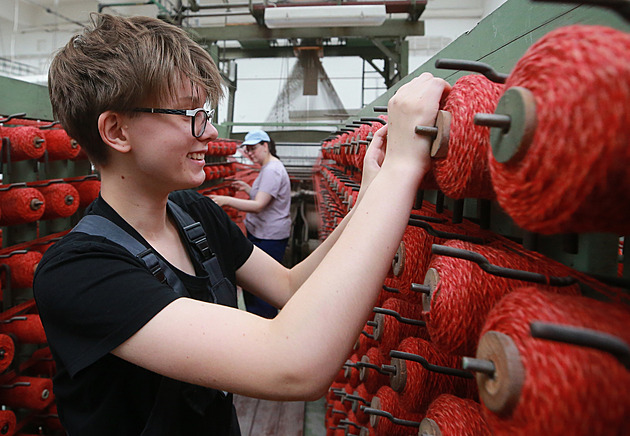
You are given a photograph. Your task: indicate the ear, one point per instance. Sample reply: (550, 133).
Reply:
(111, 126)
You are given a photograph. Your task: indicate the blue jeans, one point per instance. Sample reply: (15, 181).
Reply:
(275, 248)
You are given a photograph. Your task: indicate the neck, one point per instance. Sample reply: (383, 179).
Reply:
(144, 210)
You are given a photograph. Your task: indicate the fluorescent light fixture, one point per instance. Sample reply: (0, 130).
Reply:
(324, 16)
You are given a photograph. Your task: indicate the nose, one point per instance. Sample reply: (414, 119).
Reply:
(210, 134)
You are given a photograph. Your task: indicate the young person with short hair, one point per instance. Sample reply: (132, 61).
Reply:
(154, 348)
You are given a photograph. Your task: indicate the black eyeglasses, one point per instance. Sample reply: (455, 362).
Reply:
(199, 117)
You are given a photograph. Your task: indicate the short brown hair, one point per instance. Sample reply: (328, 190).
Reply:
(118, 63)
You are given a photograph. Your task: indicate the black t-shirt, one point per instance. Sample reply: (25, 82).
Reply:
(93, 295)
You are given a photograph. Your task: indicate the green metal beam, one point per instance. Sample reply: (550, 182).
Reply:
(393, 28)
(17, 96)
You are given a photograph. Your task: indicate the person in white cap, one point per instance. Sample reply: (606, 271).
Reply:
(268, 220)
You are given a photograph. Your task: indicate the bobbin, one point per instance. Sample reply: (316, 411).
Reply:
(429, 427)
(431, 280)
(500, 388)
(513, 124)
(398, 262)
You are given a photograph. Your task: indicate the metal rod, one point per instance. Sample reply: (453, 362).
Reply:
(493, 120)
(430, 132)
(372, 366)
(390, 289)
(371, 411)
(430, 367)
(477, 67)
(479, 365)
(430, 219)
(399, 317)
(500, 271)
(380, 109)
(378, 120)
(583, 337)
(446, 235)
(424, 289)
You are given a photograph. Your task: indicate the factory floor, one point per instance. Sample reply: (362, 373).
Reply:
(277, 418)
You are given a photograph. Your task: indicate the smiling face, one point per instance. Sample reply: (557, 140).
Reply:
(164, 155)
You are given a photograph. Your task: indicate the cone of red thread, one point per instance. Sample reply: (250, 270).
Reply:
(364, 398)
(8, 422)
(22, 267)
(27, 392)
(389, 331)
(27, 142)
(62, 200)
(7, 352)
(418, 386)
(546, 387)
(373, 379)
(352, 372)
(464, 172)
(59, 145)
(449, 415)
(21, 205)
(462, 293)
(27, 329)
(578, 156)
(387, 400)
(88, 191)
(405, 262)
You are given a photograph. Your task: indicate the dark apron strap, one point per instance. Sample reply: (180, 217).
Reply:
(101, 226)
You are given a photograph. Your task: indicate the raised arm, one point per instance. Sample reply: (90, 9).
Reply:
(297, 354)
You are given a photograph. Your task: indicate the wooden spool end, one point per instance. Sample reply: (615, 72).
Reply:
(512, 144)
(375, 404)
(500, 392)
(439, 147)
(431, 279)
(398, 380)
(362, 371)
(379, 328)
(398, 263)
(429, 427)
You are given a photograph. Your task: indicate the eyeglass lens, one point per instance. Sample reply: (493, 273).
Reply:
(199, 123)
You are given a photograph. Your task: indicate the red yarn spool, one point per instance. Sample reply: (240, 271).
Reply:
(405, 262)
(27, 142)
(21, 205)
(42, 363)
(88, 191)
(8, 422)
(62, 200)
(418, 386)
(22, 266)
(352, 372)
(371, 378)
(59, 145)
(462, 293)
(546, 387)
(364, 399)
(387, 400)
(580, 80)
(27, 329)
(389, 331)
(463, 172)
(27, 392)
(364, 343)
(449, 415)
(7, 353)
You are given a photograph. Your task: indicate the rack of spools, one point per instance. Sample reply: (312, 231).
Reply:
(478, 330)
(47, 182)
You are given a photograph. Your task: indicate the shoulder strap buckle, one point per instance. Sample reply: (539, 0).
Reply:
(196, 235)
(153, 264)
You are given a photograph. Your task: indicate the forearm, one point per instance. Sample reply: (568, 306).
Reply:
(244, 205)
